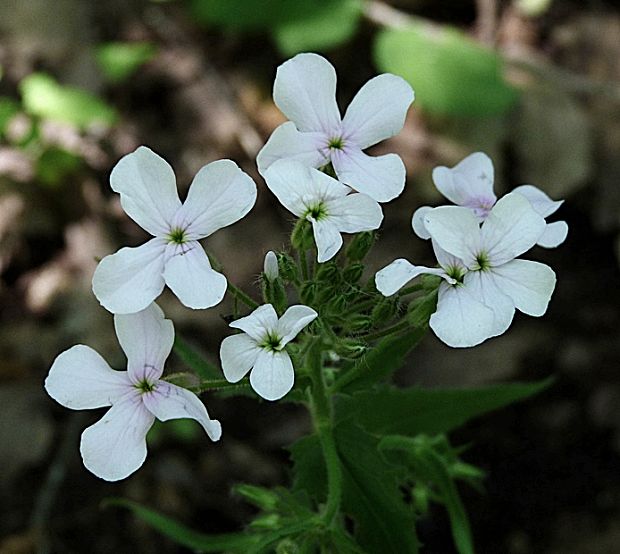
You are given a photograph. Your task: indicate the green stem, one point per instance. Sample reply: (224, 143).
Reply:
(321, 411)
(303, 262)
(242, 296)
(400, 326)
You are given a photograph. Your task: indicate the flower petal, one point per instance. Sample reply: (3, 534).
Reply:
(305, 92)
(261, 321)
(286, 142)
(484, 288)
(219, 195)
(417, 222)
(396, 275)
(378, 110)
(146, 337)
(238, 354)
(148, 189)
(81, 379)
(294, 319)
(189, 275)
(380, 177)
(115, 446)
(529, 285)
(469, 183)
(327, 238)
(297, 187)
(169, 401)
(455, 229)
(542, 204)
(461, 320)
(129, 280)
(511, 229)
(554, 234)
(273, 375)
(354, 213)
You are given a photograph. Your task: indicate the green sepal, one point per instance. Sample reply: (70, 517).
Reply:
(360, 245)
(302, 237)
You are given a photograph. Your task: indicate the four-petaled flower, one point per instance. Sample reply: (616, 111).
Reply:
(260, 348)
(485, 274)
(330, 206)
(115, 446)
(470, 184)
(220, 194)
(305, 91)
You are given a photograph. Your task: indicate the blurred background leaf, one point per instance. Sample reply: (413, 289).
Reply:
(119, 60)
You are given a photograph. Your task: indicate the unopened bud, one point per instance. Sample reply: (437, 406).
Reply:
(328, 272)
(360, 245)
(421, 309)
(353, 272)
(288, 267)
(302, 237)
(383, 311)
(270, 266)
(308, 293)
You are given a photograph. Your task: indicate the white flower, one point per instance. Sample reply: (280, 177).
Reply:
(470, 184)
(483, 282)
(79, 379)
(330, 206)
(270, 266)
(305, 91)
(260, 348)
(220, 194)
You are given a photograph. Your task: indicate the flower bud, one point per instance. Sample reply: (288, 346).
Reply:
(308, 293)
(337, 305)
(270, 266)
(359, 323)
(302, 237)
(383, 311)
(328, 273)
(259, 496)
(288, 267)
(360, 245)
(353, 272)
(421, 309)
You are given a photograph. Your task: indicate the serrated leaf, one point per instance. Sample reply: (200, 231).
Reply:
(450, 73)
(119, 60)
(44, 97)
(416, 411)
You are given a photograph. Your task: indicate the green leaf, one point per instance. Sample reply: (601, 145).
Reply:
(119, 60)
(432, 411)
(320, 30)
(55, 164)
(450, 73)
(371, 494)
(179, 533)
(382, 360)
(44, 97)
(309, 472)
(9, 108)
(194, 360)
(429, 465)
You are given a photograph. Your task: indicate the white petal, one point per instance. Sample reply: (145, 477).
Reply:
(511, 228)
(146, 337)
(484, 288)
(219, 195)
(461, 320)
(396, 275)
(286, 142)
(529, 285)
(270, 266)
(298, 187)
(148, 189)
(305, 92)
(169, 401)
(327, 237)
(417, 222)
(456, 230)
(189, 275)
(380, 177)
(378, 110)
(261, 321)
(238, 354)
(542, 204)
(129, 280)
(469, 183)
(354, 213)
(115, 446)
(273, 375)
(293, 321)
(81, 379)
(554, 234)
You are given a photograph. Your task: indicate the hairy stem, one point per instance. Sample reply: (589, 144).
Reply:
(400, 326)
(242, 296)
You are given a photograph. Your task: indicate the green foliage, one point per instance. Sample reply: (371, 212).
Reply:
(43, 97)
(450, 73)
(9, 108)
(431, 411)
(56, 164)
(119, 60)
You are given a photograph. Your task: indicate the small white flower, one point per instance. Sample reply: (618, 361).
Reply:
(470, 184)
(115, 446)
(220, 194)
(330, 206)
(305, 91)
(260, 348)
(270, 266)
